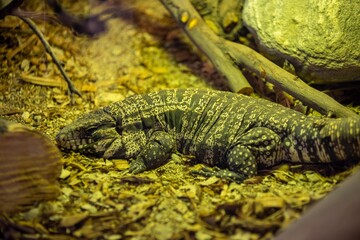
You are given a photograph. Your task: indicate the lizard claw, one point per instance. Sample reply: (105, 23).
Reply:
(137, 167)
(220, 173)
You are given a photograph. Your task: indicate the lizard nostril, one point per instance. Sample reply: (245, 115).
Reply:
(59, 137)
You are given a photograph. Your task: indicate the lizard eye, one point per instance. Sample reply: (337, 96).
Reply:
(90, 130)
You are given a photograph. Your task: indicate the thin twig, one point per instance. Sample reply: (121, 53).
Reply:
(71, 87)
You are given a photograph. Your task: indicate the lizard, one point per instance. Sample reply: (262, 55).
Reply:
(236, 134)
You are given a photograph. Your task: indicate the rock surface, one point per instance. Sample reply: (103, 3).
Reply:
(319, 38)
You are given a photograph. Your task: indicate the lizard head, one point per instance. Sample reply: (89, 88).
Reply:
(93, 133)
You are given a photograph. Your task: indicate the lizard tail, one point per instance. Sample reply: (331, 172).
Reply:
(341, 137)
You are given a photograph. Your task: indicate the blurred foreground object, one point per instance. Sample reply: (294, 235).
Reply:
(335, 217)
(90, 25)
(29, 167)
(7, 6)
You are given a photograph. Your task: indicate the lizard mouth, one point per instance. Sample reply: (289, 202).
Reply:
(71, 143)
(94, 141)
(85, 145)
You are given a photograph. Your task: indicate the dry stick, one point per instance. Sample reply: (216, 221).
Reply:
(226, 55)
(208, 42)
(54, 82)
(71, 87)
(43, 81)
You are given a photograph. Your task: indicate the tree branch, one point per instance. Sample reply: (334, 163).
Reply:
(286, 81)
(229, 56)
(208, 42)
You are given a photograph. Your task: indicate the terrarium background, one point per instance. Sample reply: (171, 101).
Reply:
(143, 50)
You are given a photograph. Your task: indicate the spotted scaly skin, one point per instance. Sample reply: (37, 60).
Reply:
(236, 133)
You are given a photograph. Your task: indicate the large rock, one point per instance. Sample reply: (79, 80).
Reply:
(320, 38)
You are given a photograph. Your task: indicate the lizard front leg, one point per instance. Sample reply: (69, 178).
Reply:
(156, 152)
